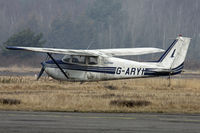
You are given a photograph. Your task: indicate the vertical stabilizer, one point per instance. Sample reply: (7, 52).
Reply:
(174, 56)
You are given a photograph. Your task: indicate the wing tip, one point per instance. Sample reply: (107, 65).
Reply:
(13, 48)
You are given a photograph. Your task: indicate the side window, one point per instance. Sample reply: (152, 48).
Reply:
(79, 59)
(92, 60)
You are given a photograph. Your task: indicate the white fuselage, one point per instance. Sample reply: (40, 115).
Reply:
(107, 68)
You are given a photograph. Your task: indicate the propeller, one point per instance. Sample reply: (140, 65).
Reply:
(43, 66)
(41, 72)
(42, 69)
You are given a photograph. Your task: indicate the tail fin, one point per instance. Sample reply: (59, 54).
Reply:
(174, 56)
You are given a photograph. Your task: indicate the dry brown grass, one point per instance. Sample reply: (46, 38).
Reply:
(19, 69)
(49, 95)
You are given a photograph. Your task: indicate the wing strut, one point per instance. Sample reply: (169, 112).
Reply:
(57, 65)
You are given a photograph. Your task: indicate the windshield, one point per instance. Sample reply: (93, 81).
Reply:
(66, 59)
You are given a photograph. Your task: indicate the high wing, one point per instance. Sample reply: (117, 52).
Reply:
(55, 51)
(130, 51)
(96, 52)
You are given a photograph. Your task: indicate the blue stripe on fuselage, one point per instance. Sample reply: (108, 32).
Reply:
(174, 71)
(63, 65)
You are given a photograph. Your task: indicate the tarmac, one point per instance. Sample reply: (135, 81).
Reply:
(72, 122)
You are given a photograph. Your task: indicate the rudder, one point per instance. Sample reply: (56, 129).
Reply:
(174, 56)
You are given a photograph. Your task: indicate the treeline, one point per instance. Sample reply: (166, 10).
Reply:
(103, 23)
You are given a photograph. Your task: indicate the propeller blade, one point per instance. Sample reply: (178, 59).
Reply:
(41, 72)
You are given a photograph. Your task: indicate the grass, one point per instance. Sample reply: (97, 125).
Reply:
(19, 69)
(134, 95)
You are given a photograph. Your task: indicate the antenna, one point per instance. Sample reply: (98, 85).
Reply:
(90, 45)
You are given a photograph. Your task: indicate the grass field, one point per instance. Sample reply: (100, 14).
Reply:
(134, 95)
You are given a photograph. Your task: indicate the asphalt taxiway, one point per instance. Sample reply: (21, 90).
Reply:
(58, 122)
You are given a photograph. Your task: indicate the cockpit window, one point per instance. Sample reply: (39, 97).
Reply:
(79, 59)
(76, 59)
(92, 61)
(66, 59)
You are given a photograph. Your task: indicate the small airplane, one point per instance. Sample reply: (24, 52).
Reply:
(104, 64)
